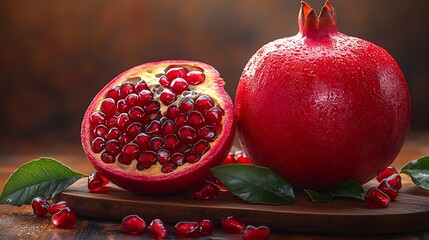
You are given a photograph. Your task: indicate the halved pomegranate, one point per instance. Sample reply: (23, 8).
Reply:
(159, 127)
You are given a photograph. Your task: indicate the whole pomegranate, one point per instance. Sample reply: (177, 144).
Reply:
(322, 107)
(159, 127)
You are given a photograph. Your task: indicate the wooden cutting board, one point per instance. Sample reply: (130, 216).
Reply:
(410, 212)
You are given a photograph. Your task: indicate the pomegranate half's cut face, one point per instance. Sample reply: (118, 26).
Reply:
(159, 127)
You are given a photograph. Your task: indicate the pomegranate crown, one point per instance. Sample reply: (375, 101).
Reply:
(316, 26)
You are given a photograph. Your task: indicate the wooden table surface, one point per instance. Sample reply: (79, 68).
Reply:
(21, 223)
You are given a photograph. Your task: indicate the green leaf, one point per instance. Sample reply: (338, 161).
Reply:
(349, 189)
(346, 189)
(255, 184)
(44, 177)
(318, 197)
(418, 170)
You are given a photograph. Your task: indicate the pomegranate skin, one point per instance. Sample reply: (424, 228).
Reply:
(184, 177)
(322, 107)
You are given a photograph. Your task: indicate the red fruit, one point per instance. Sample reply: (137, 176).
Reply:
(231, 225)
(56, 207)
(322, 102)
(256, 233)
(188, 125)
(187, 229)
(375, 198)
(65, 218)
(157, 229)
(206, 227)
(96, 182)
(40, 206)
(133, 224)
(207, 191)
(395, 181)
(386, 173)
(388, 190)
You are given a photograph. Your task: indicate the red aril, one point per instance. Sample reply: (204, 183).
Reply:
(133, 224)
(177, 111)
(232, 225)
(342, 106)
(230, 159)
(195, 77)
(390, 191)
(40, 206)
(96, 182)
(256, 233)
(206, 227)
(56, 207)
(179, 85)
(173, 73)
(207, 191)
(243, 160)
(167, 97)
(157, 229)
(217, 183)
(395, 181)
(186, 229)
(389, 171)
(375, 198)
(65, 218)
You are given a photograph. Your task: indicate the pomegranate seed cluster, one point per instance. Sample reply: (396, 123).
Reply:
(133, 224)
(237, 157)
(61, 215)
(386, 191)
(211, 188)
(167, 123)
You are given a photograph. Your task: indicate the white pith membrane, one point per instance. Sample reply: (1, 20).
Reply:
(151, 77)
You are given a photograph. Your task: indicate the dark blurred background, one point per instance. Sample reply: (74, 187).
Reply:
(56, 55)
